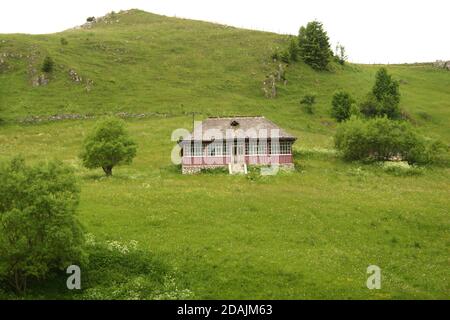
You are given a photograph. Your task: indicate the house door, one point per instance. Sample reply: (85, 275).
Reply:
(238, 153)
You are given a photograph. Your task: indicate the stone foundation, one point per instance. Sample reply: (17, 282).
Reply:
(198, 169)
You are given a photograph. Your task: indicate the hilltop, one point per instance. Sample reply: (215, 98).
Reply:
(137, 62)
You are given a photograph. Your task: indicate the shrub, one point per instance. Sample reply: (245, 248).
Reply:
(90, 19)
(107, 146)
(308, 102)
(341, 106)
(47, 65)
(381, 139)
(38, 228)
(314, 45)
(64, 41)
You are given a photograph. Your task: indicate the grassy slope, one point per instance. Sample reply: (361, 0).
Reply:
(301, 235)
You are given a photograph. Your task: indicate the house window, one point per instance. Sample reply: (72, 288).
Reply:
(197, 149)
(275, 147)
(252, 147)
(285, 147)
(262, 147)
(227, 145)
(215, 149)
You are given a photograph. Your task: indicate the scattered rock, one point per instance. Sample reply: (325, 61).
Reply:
(74, 76)
(40, 80)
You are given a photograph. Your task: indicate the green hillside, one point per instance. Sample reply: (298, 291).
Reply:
(145, 63)
(307, 234)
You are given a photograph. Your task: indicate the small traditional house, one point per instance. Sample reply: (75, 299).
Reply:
(235, 143)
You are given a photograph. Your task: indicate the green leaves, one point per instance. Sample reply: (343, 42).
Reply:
(107, 146)
(381, 139)
(342, 105)
(314, 45)
(38, 228)
(387, 94)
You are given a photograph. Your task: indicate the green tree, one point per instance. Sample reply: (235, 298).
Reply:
(314, 45)
(342, 105)
(39, 231)
(107, 146)
(48, 64)
(386, 92)
(293, 49)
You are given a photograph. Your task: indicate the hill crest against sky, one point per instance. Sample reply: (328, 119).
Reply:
(146, 63)
(387, 33)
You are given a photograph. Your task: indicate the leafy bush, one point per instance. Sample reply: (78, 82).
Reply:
(38, 228)
(314, 45)
(107, 146)
(47, 65)
(342, 105)
(64, 41)
(308, 102)
(381, 139)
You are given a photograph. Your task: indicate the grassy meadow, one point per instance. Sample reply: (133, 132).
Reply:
(305, 234)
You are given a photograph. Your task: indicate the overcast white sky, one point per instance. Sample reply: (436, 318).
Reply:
(373, 31)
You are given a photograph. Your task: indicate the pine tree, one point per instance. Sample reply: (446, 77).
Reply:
(47, 65)
(386, 92)
(314, 45)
